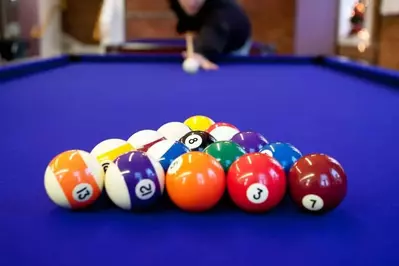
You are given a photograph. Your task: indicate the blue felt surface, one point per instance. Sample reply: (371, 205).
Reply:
(315, 108)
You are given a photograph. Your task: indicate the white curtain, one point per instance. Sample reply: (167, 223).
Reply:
(112, 22)
(390, 7)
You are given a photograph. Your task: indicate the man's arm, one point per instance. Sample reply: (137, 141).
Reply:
(184, 23)
(213, 36)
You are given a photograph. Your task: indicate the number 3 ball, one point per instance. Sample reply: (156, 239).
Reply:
(256, 182)
(197, 140)
(134, 181)
(317, 183)
(74, 179)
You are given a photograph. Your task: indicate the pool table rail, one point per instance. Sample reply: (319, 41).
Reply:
(371, 73)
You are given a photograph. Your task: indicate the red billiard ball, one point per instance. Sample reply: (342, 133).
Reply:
(256, 182)
(317, 183)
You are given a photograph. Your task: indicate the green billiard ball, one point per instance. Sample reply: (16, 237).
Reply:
(226, 152)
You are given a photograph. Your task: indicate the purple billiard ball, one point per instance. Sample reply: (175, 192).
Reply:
(317, 183)
(250, 141)
(135, 181)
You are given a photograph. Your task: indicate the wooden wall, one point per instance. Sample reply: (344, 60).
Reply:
(383, 50)
(388, 55)
(273, 20)
(79, 19)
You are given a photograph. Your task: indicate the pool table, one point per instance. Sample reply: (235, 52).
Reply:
(326, 105)
(173, 46)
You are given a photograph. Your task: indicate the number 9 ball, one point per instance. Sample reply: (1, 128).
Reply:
(317, 183)
(197, 140)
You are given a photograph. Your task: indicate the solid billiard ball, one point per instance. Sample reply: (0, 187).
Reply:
(190, 65)
(285, 153)
(250, 141)
(174, 130)
(226, 152)
(144, 139)
(108, 150)
(222, 131)
(317, 183)
(74, 179)
(256, 182)
(197, 140)
(195, 182)
(199, 122)
(135, 181)
(166, 151)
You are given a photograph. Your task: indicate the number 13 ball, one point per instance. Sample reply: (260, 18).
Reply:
(135, 181)
(256, 182)
(74, 179)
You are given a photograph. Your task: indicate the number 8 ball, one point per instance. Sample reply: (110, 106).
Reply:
(197, 140)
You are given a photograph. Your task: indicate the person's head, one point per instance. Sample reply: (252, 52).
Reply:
(191, 7)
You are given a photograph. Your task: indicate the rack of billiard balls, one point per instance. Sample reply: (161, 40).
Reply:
(195, 162)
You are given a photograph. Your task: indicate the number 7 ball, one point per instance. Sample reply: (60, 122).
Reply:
(317, 183)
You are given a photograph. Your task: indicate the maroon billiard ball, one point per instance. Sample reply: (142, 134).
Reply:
(317, 183)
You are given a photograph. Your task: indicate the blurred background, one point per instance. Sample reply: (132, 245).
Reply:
(363, 30)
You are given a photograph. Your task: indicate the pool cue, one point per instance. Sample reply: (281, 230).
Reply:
(189, 44)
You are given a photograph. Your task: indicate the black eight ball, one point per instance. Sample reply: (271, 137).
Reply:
(197, 140)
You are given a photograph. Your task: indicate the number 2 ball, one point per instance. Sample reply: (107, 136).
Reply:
(74, 179)
(197, 140)
(256, 182)
(317, 183)
(135, 181)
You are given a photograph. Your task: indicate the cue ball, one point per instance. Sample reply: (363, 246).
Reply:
(190, 65)
(317, 183)
(74, 179)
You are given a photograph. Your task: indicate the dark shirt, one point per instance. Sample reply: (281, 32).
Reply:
(221, 26)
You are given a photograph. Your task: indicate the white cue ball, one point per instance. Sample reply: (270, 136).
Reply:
(190, 65)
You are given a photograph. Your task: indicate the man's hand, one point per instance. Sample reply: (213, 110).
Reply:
(204, 62)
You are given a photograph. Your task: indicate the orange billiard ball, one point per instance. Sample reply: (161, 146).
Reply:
(195, 181)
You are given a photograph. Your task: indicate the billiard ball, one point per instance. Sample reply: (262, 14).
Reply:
(195, 182)
(74, 179)
(144, 139)
(285, 153)
(225, 152)
(256, 182)
(317, 183)
(166, 151)
(191, 65)
(135, 181)
(197, 140)
(174, 130)
(199, 122)
(250, 141)
(108, 150)
(222, 131)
